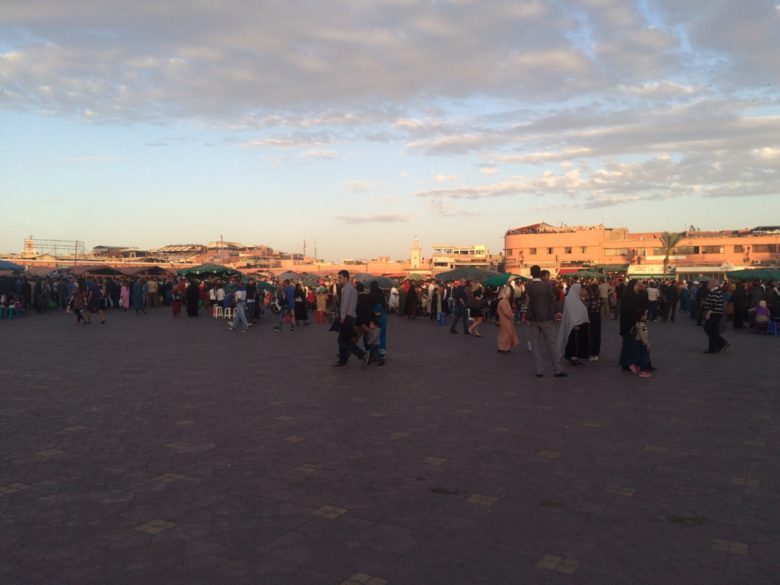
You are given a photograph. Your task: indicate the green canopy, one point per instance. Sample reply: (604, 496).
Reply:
(367, 279)
(208, 270)
(755, 274)
(466, 273)
(416, 276)
(263, 285)
(502, 279)
(587, 274)
(612, 267)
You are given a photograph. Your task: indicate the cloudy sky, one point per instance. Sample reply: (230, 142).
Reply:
(359, 125)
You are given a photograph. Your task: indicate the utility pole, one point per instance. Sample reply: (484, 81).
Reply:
(315, 250)
(304, 249)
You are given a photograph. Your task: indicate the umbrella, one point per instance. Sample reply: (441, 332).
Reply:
(466, 273)
(6, 265)
(502, 279)
(309, 279)
(98, 271)
(755, 274)
(382, 281)
(151, 271)
(417, 276)
(262, 285)
(289, 275)
(208, 270)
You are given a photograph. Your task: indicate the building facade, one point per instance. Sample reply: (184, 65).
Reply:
(446, 257)
(568, 248)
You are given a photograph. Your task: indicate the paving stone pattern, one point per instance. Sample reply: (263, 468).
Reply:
(153, 450)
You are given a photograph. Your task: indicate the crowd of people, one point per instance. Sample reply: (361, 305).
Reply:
(563, 318)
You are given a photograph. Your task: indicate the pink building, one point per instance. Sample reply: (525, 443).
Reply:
(568, 248)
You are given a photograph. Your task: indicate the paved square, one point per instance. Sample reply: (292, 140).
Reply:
(154, 450)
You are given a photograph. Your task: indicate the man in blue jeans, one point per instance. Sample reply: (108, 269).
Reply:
(460, 297)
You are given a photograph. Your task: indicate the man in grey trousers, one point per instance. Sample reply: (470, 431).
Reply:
(541, 309)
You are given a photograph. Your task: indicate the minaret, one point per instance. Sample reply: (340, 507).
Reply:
(416, 256)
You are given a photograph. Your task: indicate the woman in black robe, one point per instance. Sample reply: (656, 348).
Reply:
(410, 305)
(193, 297)
(632, 299)
(299, 306)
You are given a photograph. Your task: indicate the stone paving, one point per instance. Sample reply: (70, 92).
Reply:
(159, 451)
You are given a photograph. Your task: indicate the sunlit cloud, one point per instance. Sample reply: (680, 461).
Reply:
(376, 218)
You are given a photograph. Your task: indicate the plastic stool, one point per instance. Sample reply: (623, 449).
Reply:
(229, 313)
(218, 312)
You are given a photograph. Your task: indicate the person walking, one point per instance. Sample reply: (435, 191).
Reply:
(632, 299)
(595, 307)
(193, 298)
(573, 332)
(460, 309)
(346, 322)
(287, 306)
(604, 292)
(507, 335)
(239, 297)
(138, 296)
(380, 308)
(712, 309)
(541, 303)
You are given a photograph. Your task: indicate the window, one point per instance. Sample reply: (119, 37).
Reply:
(615, 251)
(549, 250)
(739, 248)
(507, 252)
(685, 250)
(770, 248)
(712, 250)
(567, 250)
(583, 249)
(532, 251)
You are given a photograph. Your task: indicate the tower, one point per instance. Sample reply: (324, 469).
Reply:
(416, 256)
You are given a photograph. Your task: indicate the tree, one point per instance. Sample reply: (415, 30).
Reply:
(669, 241)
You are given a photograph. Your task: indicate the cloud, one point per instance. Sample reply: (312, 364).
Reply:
(357, 186)
(444, 178)
(503, 189)
(321, 154)
(98, 158)
(447, 209)
(376, 218)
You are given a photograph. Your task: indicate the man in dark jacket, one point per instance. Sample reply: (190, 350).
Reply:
(460, 297)
(541, 327)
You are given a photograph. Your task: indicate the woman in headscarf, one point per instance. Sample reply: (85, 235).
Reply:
(573, 336)
(193, 298)
(410, 305)
(507, 335)
(380, 310)
(630, 302)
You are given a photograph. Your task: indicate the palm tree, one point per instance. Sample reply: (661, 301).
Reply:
(669, 241)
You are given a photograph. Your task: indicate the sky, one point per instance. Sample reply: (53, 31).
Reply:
(360, 125)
